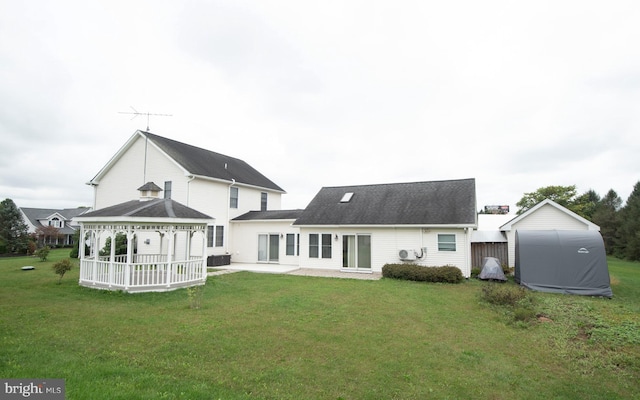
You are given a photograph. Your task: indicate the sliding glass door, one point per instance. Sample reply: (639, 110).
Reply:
(356, 251)
(268, 247)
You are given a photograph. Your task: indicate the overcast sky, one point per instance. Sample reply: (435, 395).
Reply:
(518, 95)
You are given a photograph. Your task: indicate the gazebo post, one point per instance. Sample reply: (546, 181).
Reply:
(112, 255)
(81, 250)
(170, 255)
(204, 255)
(95, 242)
(127, 267)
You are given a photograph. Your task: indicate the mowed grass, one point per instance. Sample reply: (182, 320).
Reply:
(261, 336)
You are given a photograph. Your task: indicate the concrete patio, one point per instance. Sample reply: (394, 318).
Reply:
(292, 270)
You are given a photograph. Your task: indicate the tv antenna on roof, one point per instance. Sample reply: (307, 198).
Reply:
(135, 113)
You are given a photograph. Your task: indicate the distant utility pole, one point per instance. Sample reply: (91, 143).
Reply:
(135, 113)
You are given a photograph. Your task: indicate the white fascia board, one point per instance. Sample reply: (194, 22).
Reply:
(508, 225)
(421, 226)
(96, 179)
(233, 183)
(143, 220)
(55, 214)
(292, 220)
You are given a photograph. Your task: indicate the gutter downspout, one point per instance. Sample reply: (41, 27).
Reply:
(226, 243)
(191, 177)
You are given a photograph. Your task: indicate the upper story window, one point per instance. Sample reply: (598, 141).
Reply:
(233, 197)
(263, 201)
(446, 242)
(167, 189)
(55, 222)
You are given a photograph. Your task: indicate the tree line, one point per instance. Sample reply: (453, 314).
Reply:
(619, 225)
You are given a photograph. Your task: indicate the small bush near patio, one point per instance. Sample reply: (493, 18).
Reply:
(414, 272)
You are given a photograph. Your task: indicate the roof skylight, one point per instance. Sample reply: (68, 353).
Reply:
(347, 197)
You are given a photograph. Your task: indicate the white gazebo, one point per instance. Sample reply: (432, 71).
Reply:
(166, 244)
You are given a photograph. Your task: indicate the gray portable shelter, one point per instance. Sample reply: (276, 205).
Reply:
(572, 262)
(491, 269)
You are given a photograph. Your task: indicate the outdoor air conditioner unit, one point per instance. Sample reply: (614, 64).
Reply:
(407, 255)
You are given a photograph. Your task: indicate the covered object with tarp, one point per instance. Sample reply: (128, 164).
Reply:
(572, 262)
(491, 270)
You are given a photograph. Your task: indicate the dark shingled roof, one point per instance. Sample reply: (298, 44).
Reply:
(269, 214)
(36, 214)
(158, 208)
(451, 202)
(150, 187)
(203, 162)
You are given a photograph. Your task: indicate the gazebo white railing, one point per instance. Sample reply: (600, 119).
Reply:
(176, 259)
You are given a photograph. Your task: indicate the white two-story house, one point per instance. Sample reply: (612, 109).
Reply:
(217, 185)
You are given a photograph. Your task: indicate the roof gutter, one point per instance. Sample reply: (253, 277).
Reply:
(233, 182)
(422, 226)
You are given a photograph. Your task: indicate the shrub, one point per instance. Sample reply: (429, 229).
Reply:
(475, 271)
(524, 314)
(503, 294)
(415, 272)
(506, 270)
(43, 253)
(61, 268)
(31, 247)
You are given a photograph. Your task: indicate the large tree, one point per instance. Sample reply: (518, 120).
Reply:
(629, 245)
(606, 215)
(14, 237)
(563, 195)
(586, 204)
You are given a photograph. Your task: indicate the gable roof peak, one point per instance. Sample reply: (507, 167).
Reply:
(196, 161)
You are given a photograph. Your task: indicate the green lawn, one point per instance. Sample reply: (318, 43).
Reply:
(260, 336)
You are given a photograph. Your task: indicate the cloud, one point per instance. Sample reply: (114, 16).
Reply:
(517, 95)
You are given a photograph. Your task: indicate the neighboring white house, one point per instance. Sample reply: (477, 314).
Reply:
(62, 219)
(217, 185)
(546, 215)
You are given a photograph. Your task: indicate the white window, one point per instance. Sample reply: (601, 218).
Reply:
(446, 242)
(318, 248)
(219, 236)
(263, 201)
(291, 246)
(210, 235)
(233, 201)
(215, 236)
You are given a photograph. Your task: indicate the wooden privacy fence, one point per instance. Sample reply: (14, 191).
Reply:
(481, 250)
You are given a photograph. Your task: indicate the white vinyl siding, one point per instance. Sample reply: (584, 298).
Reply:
(385, 244)
(244, 236)
(546, 217)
